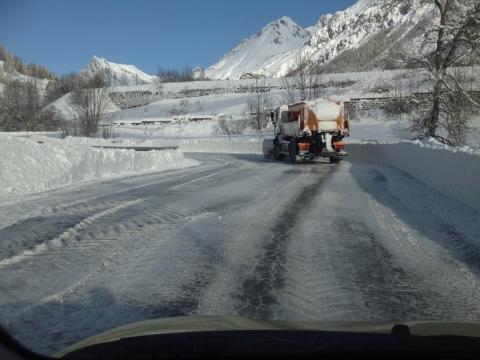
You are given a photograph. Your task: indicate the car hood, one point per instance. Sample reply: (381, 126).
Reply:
(237, 323)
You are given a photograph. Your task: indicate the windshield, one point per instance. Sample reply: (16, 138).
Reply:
(148, 170)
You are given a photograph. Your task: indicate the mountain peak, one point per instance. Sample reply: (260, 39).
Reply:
(277, 37)
(285, 21)
(284, 25)
(117, 74)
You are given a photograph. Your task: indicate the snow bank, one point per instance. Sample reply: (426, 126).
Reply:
(77, 140)
(27, 166)
(235, 146)
(453, 172)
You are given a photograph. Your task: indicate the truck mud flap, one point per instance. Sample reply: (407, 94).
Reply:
(268, 149)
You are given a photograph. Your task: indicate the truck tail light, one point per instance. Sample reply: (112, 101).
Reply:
(338, 145)
(304, 147)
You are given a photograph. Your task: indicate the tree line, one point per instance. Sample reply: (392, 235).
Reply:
(13, 62)
(21, 108)
(22, 98)
(175, 75)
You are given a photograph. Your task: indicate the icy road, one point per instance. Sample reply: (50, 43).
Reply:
(236, 235)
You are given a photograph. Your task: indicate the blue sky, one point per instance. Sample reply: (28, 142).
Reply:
(64, 35)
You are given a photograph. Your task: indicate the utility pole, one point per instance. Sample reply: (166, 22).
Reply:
(257, 90)
(258, 99)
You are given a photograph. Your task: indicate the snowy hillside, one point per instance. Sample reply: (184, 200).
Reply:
(278, 37)
(357, 25)
(11, 74)
(332, 35)
(117, 74)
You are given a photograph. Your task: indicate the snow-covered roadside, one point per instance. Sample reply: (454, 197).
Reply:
(223, 145)
(372, 130)
(77, 140)
(454, 172)
(27, 166)
(179, 129)
(237, 144)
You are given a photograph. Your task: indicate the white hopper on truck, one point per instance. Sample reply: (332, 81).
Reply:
(307, 130)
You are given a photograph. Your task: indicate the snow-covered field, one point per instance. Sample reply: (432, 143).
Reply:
(230, 96)
(192, 129)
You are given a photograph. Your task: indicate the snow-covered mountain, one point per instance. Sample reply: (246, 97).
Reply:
(366, 22)
(250, 55)
(117, 74)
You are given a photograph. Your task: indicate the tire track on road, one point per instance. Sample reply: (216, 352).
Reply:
(53, 202)
(438, 275)
(258, 294)
(80, 211)
(66, 237)
(421, 271)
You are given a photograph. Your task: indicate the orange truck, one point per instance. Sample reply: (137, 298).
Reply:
(307, 130)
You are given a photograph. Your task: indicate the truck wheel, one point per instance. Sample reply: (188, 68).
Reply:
(334, 160)
(277, 153)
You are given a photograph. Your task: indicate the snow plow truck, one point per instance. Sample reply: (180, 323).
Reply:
(307, 130)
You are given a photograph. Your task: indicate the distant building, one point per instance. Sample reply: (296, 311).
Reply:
(198, 73)
(195, 117)
(158, 121)
(127, 122)
(250, 76)
(164, 121)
